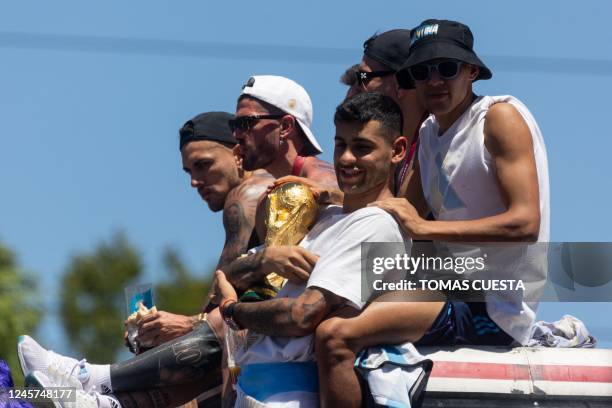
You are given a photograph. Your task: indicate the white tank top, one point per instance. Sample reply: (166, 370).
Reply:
(460, 183)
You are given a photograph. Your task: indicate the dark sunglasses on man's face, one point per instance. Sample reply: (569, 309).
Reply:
(245, 123)
(404, 80)
(364, 77)
(447, 69)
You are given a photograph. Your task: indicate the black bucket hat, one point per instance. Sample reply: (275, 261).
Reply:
(434, 39)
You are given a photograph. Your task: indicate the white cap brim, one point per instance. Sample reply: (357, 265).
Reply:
(310, 136)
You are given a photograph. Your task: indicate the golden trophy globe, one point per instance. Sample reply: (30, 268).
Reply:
(291, 211)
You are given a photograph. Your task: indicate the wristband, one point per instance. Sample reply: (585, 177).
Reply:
(227, 312)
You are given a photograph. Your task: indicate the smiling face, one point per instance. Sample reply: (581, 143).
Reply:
(212, 169)
(363, 158)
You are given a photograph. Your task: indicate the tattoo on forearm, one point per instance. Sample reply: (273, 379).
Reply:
(310, 311)
(287, 316)
(245, 271)
(270, 317)
(239, 218)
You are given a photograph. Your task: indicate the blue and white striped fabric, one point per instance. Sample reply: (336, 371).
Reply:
(396, 375)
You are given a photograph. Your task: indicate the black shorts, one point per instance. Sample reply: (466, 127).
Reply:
(464, 323)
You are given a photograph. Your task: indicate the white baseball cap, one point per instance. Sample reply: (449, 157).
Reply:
(286, 95)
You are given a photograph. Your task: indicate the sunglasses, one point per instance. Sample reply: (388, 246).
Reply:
(448, 69)
(245, 123)
(404, 80)
(364, 77)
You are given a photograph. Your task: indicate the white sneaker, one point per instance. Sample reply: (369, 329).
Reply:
(82, 400)
(34, 357)
(91, 399)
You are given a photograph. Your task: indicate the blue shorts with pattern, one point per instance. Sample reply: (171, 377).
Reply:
(464, 323)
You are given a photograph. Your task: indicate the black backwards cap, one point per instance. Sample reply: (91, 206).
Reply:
(211, 126)
(389, 48)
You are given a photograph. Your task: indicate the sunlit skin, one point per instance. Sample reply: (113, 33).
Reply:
(259, 146)
(447, 99)
(274, 145)
(364, 157)
(363, 160)
(508, 140)
(412, 111)
(211, 167)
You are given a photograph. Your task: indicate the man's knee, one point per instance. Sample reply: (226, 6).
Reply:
(335, 336)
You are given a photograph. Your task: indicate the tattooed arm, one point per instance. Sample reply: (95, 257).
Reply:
(245, 271)
(288, 317)
(239, 220)
(292, 262)
(239, 216)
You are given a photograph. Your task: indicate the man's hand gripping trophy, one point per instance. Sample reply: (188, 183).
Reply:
(291, 210)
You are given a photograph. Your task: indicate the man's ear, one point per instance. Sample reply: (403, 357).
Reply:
(400, 149)
(474, 71)
(287, 125)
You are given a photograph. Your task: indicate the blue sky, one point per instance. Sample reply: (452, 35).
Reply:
(92, 95)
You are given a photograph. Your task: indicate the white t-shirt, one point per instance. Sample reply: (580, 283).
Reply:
(336, 238)
(459, 182)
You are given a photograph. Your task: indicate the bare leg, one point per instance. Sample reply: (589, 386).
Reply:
(339, 339)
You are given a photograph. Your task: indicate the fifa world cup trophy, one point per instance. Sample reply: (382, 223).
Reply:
(291, 211)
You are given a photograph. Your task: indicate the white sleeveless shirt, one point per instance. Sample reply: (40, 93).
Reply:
(460, 183)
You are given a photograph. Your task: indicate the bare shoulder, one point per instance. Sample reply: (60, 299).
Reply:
(251, 189)
(257, 179)
(315, 162)
(505, 127)
(502, 116)
(256, 185)
(319, 170)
